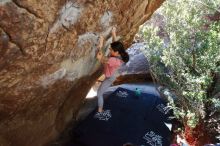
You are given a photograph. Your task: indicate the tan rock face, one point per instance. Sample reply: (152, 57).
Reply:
(47, 60)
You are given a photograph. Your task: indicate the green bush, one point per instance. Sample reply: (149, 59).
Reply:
(185, 63)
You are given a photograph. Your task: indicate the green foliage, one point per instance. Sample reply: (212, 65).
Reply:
(187, 60)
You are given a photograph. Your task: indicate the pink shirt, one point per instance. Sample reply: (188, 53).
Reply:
(111, 66)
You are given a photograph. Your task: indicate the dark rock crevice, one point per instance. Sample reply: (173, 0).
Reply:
(66, 28)
(12, 41)
(26, 9)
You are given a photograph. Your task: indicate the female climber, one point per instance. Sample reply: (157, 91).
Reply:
(112, 62)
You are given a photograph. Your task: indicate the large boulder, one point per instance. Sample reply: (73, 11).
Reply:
(47, 60)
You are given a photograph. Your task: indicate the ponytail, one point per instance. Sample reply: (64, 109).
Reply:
(124, 56)
(118, 46)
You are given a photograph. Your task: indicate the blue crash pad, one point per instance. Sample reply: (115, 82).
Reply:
(128, 117)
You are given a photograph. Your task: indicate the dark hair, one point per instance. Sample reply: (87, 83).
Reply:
(118, 46)
(128, 144)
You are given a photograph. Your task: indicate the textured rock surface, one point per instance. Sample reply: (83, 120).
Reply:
(47, 60)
